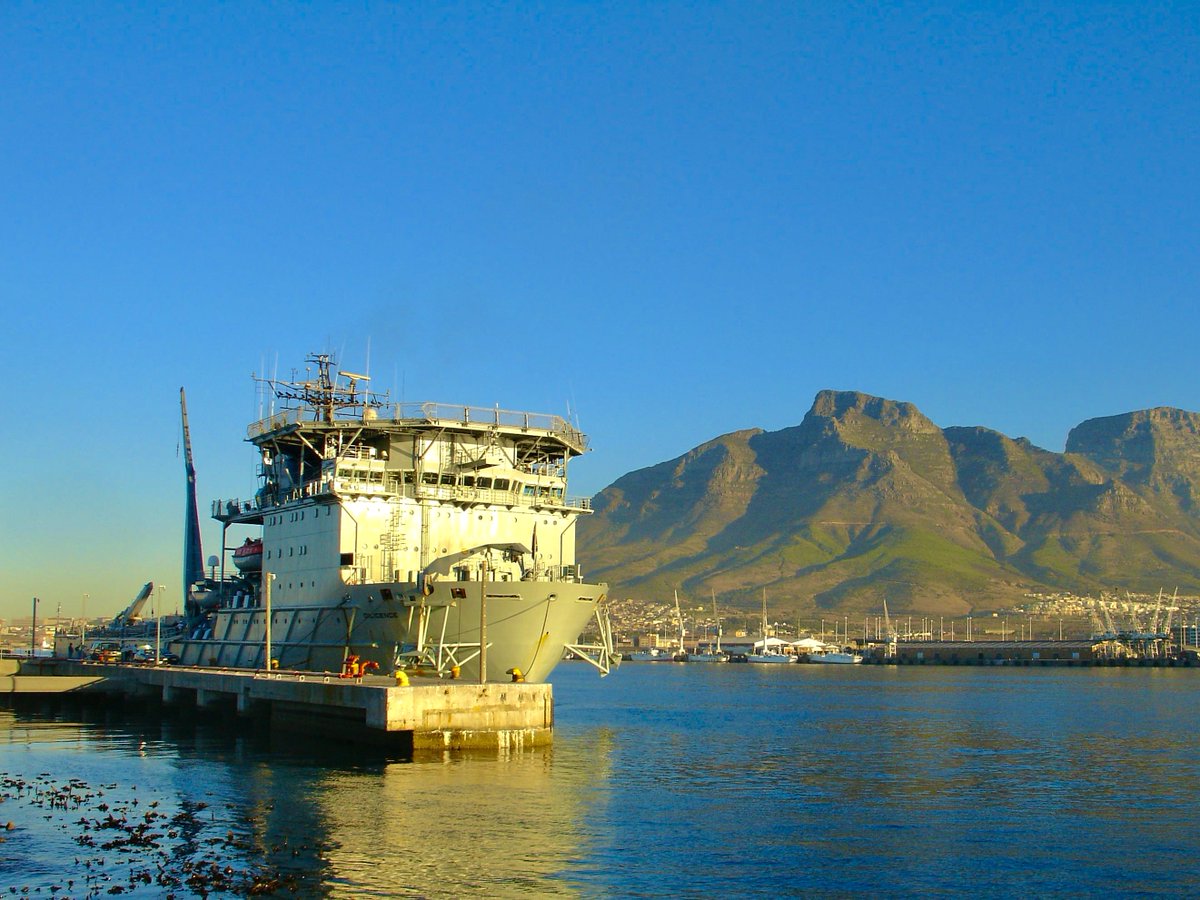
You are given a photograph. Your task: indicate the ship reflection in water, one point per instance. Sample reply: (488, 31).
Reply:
(465, 826)
(241, 813)
(735, 780)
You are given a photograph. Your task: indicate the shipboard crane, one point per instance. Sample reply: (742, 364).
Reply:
(193, 556)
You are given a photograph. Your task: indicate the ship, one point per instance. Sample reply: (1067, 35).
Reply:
(419, 537)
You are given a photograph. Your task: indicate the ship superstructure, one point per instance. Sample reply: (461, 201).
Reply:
(408, 535)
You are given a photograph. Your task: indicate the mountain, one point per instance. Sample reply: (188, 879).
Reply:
(867, 499)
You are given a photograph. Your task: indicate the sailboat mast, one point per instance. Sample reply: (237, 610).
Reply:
(679, 618)
(718, 619)
(764, 621)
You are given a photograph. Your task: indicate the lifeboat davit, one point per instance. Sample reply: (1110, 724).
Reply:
(248, 557)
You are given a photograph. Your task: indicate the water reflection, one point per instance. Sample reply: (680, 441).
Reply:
(748, 781)
(908, 781)
(503, 825)
(323, 818)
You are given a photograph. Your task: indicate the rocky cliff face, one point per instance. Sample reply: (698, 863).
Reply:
(868, 499)
(1156, 448)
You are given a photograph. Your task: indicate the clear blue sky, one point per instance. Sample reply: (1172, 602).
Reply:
(675, 220)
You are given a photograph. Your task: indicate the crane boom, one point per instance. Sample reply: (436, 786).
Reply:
(193, 555)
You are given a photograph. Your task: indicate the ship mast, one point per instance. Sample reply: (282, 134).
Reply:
(324, 396)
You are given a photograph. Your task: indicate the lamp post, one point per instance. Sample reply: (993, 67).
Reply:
(483, 574)
(267, 578)
(33, 629)
(158, 624)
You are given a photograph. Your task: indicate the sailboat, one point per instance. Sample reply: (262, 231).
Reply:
(651, 654)
(842, 657)
(681, 654)
(664, 654)
(766, 654)
(716, 655)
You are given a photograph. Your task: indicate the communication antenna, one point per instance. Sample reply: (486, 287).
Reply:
(262, 367)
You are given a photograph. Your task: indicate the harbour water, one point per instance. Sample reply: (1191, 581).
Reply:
(690, 779)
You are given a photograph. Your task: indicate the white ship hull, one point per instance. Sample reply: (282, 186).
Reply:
(528, 627)
(835, 658)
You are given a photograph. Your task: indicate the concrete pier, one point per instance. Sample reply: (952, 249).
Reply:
(426, 714)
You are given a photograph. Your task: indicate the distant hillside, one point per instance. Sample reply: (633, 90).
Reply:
(868, 499)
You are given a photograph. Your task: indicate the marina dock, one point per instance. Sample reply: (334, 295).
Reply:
(424, 714)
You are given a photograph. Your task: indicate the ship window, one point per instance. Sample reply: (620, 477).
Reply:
(484, 483)
(429, 478)
(408, 477)
(502, 484)
(347, 559)
(529, 490)
(468, 481)
(447, 479)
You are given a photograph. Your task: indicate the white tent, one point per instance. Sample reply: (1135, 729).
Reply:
(807, 645)
(773, 643)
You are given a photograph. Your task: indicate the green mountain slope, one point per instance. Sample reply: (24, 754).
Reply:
(867, 499)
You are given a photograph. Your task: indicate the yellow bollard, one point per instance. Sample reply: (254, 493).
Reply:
(401, 678)
(517, 674)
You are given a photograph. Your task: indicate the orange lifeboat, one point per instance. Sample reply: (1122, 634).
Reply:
(249, 556)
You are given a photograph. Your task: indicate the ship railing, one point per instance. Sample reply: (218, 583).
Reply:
(274, 422)
(485, 415)
(458, 494)
(229, 509)
(441, 413)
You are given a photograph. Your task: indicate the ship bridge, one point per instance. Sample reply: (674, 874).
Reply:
(421, 451)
